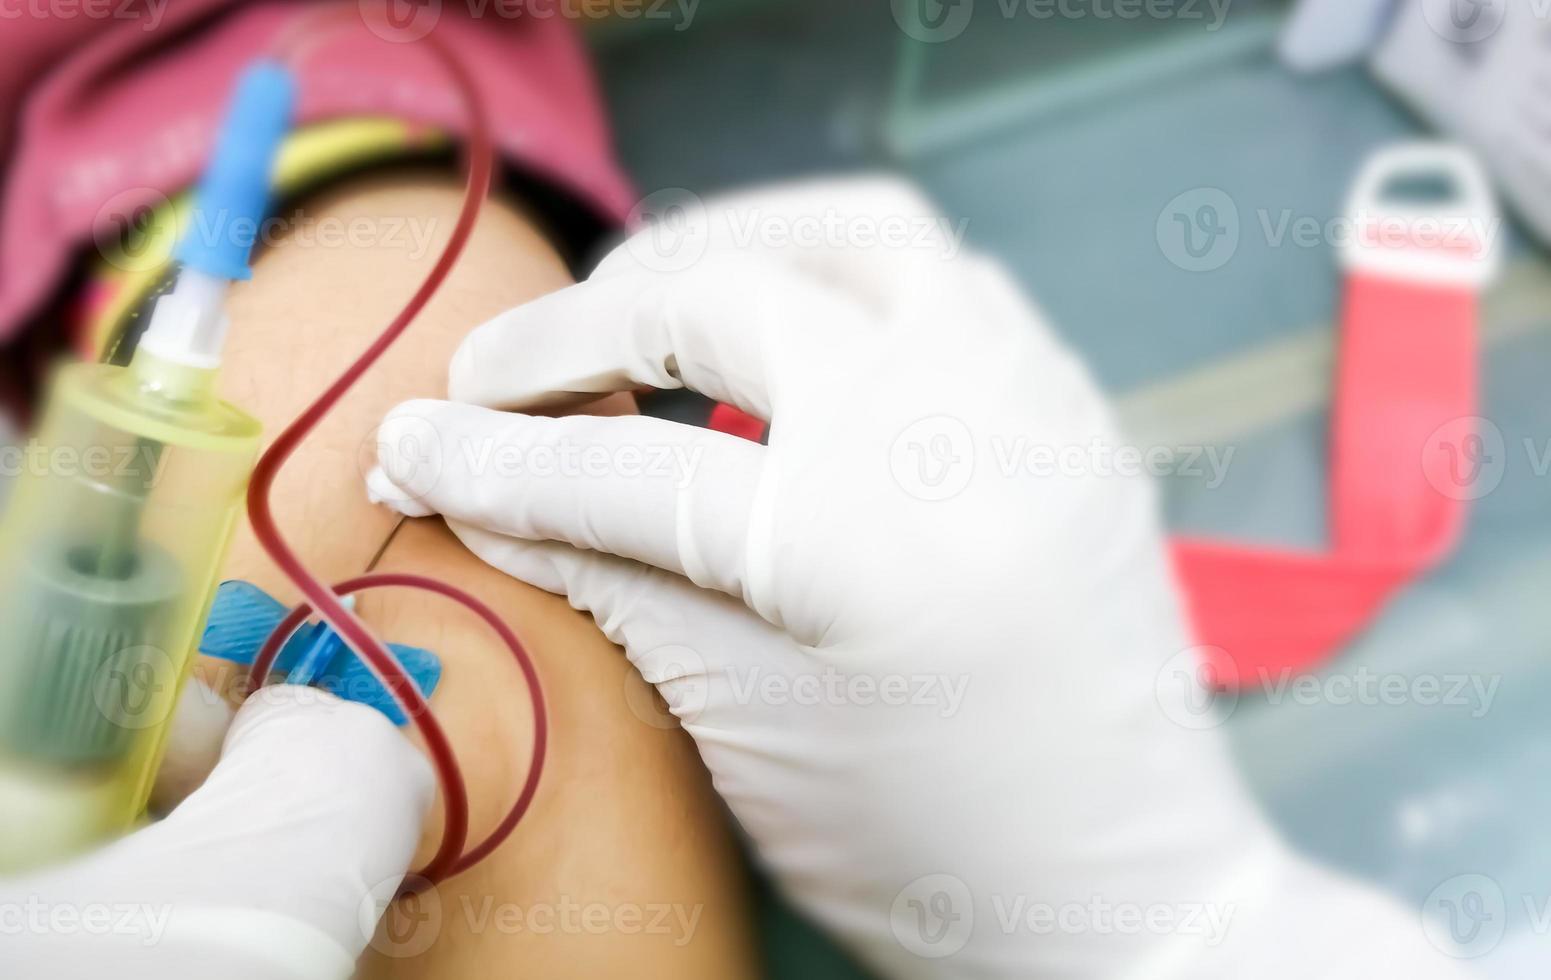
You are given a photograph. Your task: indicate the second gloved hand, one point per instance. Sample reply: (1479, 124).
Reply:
(277, 867)
(925, 639)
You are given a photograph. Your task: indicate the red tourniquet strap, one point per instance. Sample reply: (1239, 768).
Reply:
(1405, 392)
(736, 422)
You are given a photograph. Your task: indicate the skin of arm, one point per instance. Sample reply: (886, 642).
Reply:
(626, 865)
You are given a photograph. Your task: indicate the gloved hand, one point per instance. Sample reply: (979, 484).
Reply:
(276, 868)
(925, 639)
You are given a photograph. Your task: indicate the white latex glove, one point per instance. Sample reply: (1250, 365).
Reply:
(937, 695)
(276, 868)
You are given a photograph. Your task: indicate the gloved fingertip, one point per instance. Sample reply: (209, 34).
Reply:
(413, 445)
(383, 492)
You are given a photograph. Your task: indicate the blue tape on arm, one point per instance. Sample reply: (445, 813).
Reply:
(244, 616)
(350, 679)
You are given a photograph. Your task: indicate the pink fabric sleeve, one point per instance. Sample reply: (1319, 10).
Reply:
(109, 109)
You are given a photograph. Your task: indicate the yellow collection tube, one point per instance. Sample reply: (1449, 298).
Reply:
(110, 552)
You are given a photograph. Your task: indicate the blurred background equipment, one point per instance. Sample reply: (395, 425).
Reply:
(1481, 71)
(1477, 70)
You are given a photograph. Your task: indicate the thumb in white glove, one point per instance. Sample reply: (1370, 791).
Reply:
(279, 866)
(922, 639)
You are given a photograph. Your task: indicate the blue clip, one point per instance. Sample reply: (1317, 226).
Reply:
(244, 616)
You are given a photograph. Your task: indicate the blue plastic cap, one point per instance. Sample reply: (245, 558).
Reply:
(232, 200)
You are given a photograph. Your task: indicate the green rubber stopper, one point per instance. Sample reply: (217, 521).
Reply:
(89, 622)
